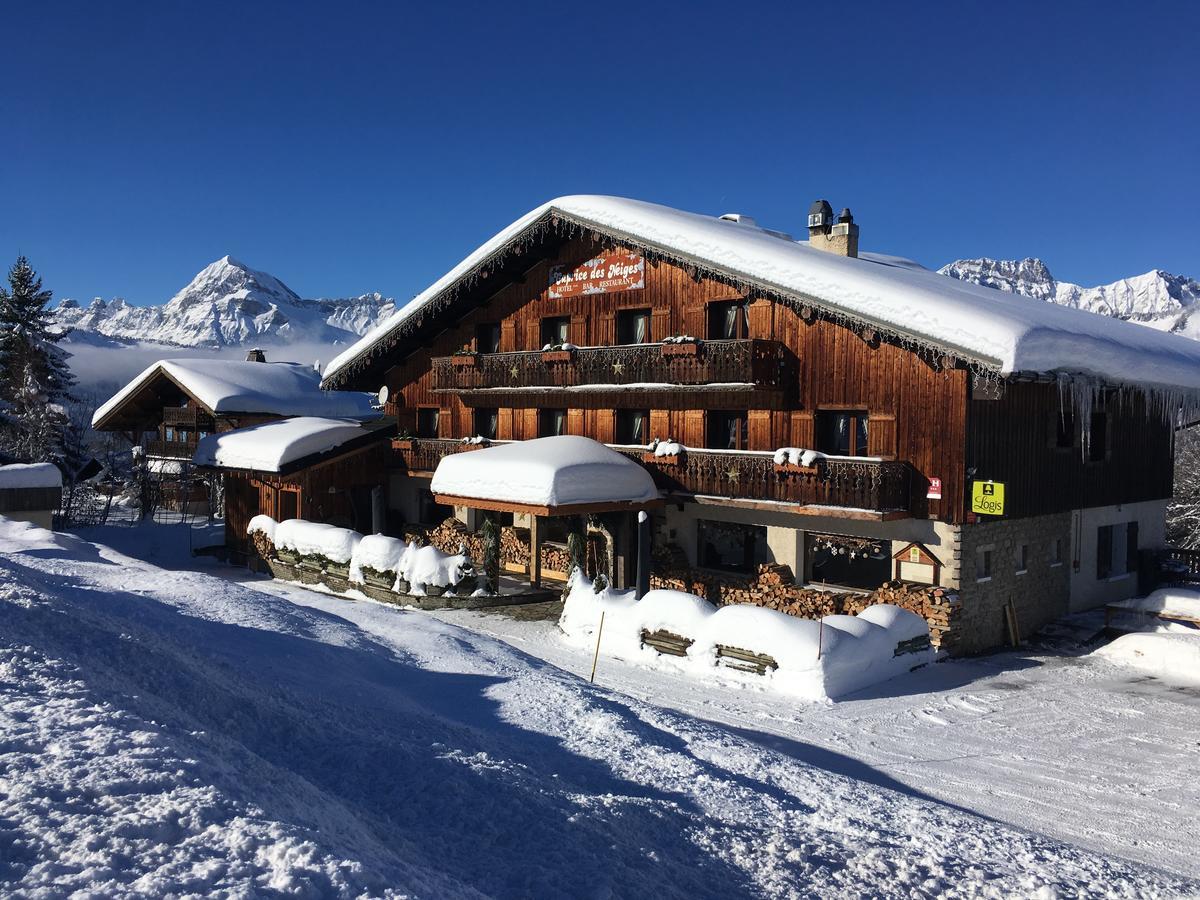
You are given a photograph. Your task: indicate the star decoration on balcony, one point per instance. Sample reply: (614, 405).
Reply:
(516, 372)
(618, 368)
(732, 474)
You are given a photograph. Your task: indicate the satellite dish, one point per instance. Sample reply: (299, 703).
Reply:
(383, 395)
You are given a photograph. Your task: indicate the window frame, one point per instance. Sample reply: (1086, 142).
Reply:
(856, 415)
(1105, 538)
(741, 431)
(544, 416)
(544, 323)
(985, 554)
(620, 323)
(494, 411)
(619, 438)
(491, 346)
(741, 325)
(423, 413)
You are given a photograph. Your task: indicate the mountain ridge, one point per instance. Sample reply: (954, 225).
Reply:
(227, 304)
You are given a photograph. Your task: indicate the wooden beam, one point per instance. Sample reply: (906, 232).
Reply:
(573, 509)
(535, 552)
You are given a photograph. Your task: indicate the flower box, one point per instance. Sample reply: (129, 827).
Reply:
(464, 360)
(672, 459)
(795, 469)
(557, 356)
(691, 348)
(403, 443)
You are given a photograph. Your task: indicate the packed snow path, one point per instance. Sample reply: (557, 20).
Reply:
(173, 732)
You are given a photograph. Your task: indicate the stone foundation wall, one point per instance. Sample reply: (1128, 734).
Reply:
(1039, 593)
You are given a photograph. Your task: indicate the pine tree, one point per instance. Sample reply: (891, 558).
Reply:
(34, 380)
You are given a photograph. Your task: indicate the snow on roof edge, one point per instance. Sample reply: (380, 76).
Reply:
(922, 308)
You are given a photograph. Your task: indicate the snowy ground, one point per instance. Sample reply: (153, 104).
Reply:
(179, 731)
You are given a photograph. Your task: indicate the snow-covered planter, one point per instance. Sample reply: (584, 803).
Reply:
(680, 345)
(315, 548)
(378, 561)
(664, 453)
(465, 359)
(406, 440)
(430, 572)
(478, 442)
(797, 461)
(558, 353)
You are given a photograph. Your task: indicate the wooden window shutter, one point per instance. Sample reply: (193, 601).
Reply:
(531, 425)
(759, 437)
(660, 425)
(694, 321)
(606, 423)
(804, 433)
(606, 336)
(881, 435)
(508, 336)
(504, 424)
(760, 320)
(578, 332)
(693, 428)
(660, 323)
(575, 421)
(533, 335)
(445, 422)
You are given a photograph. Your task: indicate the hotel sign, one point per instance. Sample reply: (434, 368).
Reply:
(610, 273)
(987, 498)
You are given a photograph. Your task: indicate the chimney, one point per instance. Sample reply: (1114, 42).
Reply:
(840, 237)
(255, 355)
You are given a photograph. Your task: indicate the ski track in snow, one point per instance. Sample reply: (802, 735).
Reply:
(177, 732)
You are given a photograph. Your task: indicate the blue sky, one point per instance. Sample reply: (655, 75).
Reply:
(348, 147)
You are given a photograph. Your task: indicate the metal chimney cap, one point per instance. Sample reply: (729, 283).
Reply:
(820, 207)
(845, 215)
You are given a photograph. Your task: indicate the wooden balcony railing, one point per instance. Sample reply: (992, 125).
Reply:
(879, 486)
(172, 449)
(188, 417)
(761, 363)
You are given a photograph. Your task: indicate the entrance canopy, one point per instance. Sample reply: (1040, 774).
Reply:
(555, 476)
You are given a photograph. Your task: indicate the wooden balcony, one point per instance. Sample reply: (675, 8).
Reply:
(188, 417)
(847, 487)
(748, 367)
(171, 449)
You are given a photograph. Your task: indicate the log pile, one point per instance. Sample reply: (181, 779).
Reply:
(774, 587)
(263, 545)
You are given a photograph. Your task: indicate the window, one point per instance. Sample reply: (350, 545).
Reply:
(847, 561)
(1022, 559)
(727, 430)
(429, 511)
(487, 337)
(731, 547)
(552, 422)
(1064, 431)
(633, 326)
(1104, 551)
(1056, 552)
(182, 435)
(727, 320)
(201, 435)
(427, 421)
(556, 330)
(1098, 437)
(487, 421)
(983, 563)
(842, 432)
(1131, 546)
(631, 426)
(169, 433)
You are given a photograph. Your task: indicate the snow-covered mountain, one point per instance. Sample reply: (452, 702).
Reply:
(1157, 298)
(227, 304)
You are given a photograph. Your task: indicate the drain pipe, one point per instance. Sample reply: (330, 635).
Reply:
(643, 554)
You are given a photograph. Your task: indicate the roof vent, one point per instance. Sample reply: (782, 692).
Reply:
(255, 355)
(740, 219)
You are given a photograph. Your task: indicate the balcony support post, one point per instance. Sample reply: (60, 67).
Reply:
(643, 554)
(535, 552)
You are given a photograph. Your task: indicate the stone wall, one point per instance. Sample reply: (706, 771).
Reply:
(1038, 589)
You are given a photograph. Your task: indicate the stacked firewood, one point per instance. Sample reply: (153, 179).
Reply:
(264, 545)
(939, 607)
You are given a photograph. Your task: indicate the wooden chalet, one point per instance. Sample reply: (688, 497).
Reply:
(1008, 460)
(174, 404)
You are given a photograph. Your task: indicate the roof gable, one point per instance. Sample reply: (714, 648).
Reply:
(989, 330)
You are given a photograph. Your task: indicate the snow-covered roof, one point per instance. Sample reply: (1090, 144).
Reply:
(992, 329)
(273, 446)
(30, 475)
(566, 470)
(234, 386)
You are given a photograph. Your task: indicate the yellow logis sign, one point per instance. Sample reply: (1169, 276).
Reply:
(987, 498)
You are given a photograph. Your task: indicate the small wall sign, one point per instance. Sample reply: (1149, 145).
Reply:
(935, 489)
(987, 498)
(609, 273)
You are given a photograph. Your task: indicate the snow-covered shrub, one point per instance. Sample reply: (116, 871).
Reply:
(430, 571)
(380, 558)
(797, 456)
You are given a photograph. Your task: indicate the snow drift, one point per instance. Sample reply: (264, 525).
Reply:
(29, 475)
(816, 659)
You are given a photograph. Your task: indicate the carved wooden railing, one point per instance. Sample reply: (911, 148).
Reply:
(762, 363)
(871, 485)
(172, 449)
(875, 485)
(188, 417)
